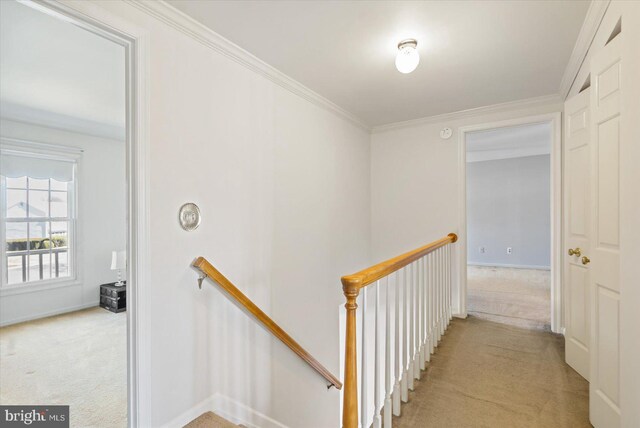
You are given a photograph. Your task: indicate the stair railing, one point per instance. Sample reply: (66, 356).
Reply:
(417, 311)
(208, 271)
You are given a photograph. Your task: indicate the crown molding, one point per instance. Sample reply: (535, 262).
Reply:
(502, 154)
(462, 114)
(199, 32)
(590, 26)
(33, 116)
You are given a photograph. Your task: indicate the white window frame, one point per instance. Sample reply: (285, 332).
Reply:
(10, 146)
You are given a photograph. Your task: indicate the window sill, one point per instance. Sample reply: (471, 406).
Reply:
(13, 289)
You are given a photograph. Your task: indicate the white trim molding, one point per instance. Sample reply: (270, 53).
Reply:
(458, 115)
(203, 34)
(504, 265)
(487, 155)
(66, 310)
(228, 408)
(590, 26)
(21, 113)
(135, 39)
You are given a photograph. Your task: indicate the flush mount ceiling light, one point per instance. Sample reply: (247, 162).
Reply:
(408, 57)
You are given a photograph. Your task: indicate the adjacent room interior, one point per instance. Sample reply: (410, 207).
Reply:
(64, 217)
(509, 225)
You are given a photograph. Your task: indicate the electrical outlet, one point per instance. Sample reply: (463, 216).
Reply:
(482, 250)
(509, 250)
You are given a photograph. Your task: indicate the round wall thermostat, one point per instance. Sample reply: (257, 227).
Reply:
(446, 133)
(189, 216)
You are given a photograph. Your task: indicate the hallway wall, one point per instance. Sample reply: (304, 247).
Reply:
(415, 177)
(508, 205)
(283, 187)
(257, 187)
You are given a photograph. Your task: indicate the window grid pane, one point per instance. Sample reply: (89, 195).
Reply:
(17, 183)
(59, 204)
(35, 183)
(16, 203)
(37, 248)
(38, 203)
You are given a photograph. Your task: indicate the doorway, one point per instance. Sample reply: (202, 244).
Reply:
(71, 159)
(509, 225)
(510, 197)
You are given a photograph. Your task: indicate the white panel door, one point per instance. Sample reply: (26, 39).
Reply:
(577, 231)
(604, 391)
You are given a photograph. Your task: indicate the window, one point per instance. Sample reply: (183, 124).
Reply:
(37, 218)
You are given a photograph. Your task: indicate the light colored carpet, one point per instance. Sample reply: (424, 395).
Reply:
(77, 359)
(486, 374)
(519, 297)
(210, 420)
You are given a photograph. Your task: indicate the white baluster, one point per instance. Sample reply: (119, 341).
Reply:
(404, 381)
(411, 301)
(425, 300)
(420, 335)
(447, 306)
(377, 423)
(431, 306)
(416, 321)
(449, 273)
(442, 296)
(425, 311)
(438, 296)
(446, 286)
(387, 360)
(446, 289)
(363, 376)
(397, 362)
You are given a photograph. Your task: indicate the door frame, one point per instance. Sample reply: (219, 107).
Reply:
(135, 42)
(555, 119)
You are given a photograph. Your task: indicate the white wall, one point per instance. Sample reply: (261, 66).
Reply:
(414, 179)
(266, 168)
(283, 187)
(101, 223)
(508, 205)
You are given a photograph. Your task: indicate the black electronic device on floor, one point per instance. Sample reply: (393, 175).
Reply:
(113, 298)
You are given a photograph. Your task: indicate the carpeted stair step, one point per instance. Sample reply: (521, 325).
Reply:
(210, 420)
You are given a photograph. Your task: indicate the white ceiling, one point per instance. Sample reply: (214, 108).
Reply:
(509, 142)
(57, 74)
(473, 53)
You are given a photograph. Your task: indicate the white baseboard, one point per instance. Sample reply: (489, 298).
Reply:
(184, 418)
(238, 413)
(50, 313)
(228, 408)
(509, 265)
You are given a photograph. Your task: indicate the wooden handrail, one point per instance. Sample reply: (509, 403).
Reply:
(382, 269)
(351, 286)
(211, 272)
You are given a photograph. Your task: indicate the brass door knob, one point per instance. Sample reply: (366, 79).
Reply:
(576, 252)
(585, 260)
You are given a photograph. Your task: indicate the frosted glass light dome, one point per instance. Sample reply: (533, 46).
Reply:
(408, 57)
